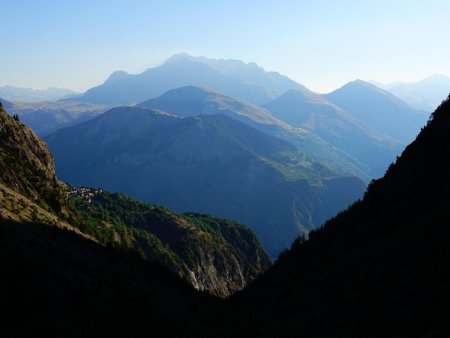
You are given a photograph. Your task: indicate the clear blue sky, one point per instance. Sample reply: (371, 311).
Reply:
(321, 44)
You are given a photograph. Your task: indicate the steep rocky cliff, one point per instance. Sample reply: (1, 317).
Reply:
(212, 254)
(27, 167)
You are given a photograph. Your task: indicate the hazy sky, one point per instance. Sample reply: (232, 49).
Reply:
(321, 44)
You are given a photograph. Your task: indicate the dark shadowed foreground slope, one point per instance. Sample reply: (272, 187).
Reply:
(379, 269)
(57, 284)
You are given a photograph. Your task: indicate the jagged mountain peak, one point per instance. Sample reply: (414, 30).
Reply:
(212, 61)
(232, 77)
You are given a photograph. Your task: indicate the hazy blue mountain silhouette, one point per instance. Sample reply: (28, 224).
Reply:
(209, 164)
(314, 113)
(380, 110)
(46, 117)
(195, 100)
(426, 94)
(198, 100)
(385, 86)
(20, 94)
(182, 70)
(273, 82)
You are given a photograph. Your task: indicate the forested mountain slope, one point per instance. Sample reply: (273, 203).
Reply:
(378, 269)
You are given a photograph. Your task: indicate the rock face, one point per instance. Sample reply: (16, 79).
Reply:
(212, 254)
(27, 167)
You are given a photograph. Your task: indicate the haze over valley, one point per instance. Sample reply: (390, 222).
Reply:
(199, 169)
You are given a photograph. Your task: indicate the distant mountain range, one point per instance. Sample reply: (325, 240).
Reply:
(234, 78)
(273, 82)
(195, 100)
(249, 82)
(46, 117)
(29, 95)
(356, 130)
(380, 110)
(314, 113)
(208, 163)
(330, 139)
(425, 95)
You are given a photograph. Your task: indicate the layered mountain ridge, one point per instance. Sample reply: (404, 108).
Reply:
(46, 117)
(321, 117)
(13, 93)
(425, 95)
(195, 100)
(208, 163)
